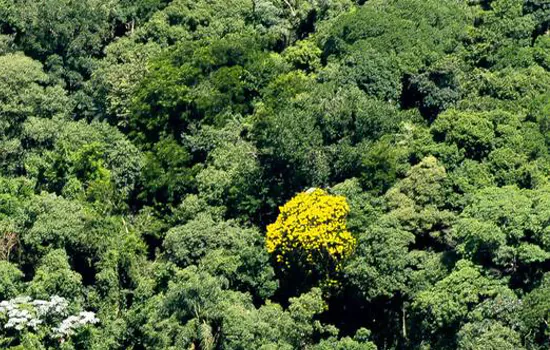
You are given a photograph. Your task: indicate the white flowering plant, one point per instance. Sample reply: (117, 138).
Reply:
(50, 320)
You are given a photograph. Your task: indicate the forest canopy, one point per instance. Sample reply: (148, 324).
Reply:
(275, 174)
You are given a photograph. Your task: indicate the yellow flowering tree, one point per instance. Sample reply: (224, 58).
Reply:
(311, 231)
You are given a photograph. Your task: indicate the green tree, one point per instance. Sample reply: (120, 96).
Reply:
(55, 277)
(11, 280)
(223, 249)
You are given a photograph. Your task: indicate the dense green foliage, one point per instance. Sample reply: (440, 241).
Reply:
(145, 147)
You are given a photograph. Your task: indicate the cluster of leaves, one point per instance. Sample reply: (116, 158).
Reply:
(148, 148)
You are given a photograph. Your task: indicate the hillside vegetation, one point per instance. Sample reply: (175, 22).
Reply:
(275, 174)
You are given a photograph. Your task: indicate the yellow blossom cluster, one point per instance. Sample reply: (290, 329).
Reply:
(312, 225)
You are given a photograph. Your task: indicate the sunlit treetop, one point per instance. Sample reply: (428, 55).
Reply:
(311, 227)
